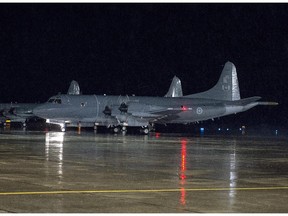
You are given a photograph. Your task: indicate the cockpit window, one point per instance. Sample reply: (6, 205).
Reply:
(58, 100)
(55, 100)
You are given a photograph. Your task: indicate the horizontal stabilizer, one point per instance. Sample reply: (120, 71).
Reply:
(250, 100)
(244, 101)
(268, 103)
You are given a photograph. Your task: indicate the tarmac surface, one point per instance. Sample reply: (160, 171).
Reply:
(89, 172)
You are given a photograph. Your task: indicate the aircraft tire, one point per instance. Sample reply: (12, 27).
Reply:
(145, 130)
(115, 129)
(63, 129)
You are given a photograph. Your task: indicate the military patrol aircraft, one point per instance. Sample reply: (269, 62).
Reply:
(22, 112)
(120, 112)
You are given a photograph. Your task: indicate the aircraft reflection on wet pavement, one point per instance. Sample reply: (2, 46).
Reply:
(54, 151)
(120, 112)
(116, 173)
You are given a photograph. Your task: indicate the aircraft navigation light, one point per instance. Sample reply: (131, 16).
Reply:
(184, 108)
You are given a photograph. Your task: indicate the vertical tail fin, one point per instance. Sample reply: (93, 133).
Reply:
(175, 89)
(227, 87)
(74, 88)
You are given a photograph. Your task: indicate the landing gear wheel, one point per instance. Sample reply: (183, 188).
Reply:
(63, 128)
(116, 129)
(145, 130)
(95, 126)
(124, 128)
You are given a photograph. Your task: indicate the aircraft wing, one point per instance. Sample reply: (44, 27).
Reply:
(166, 115)
(141, 113)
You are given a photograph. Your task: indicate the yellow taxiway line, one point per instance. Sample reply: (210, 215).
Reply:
(138, 191)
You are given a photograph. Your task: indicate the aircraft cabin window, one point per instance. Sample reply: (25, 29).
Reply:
(55, 100)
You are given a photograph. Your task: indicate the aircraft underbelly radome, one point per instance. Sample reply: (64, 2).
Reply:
(221, 100)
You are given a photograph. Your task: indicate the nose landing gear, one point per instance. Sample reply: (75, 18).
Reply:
(63, 127)
(145, 130)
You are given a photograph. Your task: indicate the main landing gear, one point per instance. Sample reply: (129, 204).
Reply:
(117, 129)
(143, 130)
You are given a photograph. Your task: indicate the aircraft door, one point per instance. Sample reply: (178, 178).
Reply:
(97, 105)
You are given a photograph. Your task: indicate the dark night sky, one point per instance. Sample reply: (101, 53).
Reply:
(138, 48)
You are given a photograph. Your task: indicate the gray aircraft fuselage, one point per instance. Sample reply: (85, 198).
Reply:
(91, 108)
(142, 111)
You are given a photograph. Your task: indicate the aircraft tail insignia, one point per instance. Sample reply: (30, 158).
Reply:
(227, 87)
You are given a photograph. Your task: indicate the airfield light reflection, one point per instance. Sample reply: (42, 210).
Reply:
(54, 146)
(183, 158)
(157, 135)
(233, 174)
(183, 168)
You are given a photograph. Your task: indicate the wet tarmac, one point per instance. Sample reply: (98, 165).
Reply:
(91, 172)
